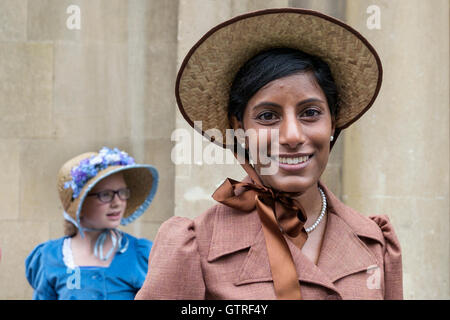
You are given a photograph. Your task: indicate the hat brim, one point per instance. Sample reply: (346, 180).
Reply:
(208, 70)
(142, 180)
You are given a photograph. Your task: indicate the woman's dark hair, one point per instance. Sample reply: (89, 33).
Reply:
(274, 64)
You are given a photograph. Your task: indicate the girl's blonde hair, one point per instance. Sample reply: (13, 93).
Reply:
(69, 229)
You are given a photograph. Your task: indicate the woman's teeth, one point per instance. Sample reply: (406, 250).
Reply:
(293, 160)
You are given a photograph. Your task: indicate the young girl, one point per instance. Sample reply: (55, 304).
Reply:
(95, 260)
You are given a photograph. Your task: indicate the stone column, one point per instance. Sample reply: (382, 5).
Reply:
(195, 182)
(396, 158)
(334, 8)
(152, 55)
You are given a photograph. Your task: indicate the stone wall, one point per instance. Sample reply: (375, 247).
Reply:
(66, 91)
(396, 159)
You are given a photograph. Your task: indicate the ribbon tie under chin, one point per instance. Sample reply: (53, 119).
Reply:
(280, 214)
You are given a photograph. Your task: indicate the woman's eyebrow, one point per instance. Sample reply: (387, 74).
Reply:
(267, 104)
(309, 101)
(273, 104)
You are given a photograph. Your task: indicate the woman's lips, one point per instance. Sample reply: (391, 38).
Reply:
(293, 162)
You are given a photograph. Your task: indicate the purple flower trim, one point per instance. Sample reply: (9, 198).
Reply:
(89, 168)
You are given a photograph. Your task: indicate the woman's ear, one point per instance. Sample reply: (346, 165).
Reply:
(333, 132)
(333, 125)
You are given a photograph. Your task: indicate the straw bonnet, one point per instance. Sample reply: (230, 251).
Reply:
(79, 175)
(208, 70)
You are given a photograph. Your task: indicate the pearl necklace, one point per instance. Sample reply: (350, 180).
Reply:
(322, 213)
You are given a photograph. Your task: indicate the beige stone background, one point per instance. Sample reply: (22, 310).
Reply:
(64, 92)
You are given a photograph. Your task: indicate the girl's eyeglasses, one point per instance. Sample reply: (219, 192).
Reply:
(106, 196)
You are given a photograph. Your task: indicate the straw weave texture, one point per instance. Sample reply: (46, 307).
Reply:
(210, 68)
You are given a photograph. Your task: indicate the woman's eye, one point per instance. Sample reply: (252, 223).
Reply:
(311, 113)
(266, 116)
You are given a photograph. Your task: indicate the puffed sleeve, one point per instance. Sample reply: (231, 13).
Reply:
(143, 249)
(392, 259)
(174, 270)
(36, 275)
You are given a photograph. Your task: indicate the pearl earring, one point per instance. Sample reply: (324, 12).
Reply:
(331, 138)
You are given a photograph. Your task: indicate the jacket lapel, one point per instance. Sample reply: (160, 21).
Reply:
(256, 266)
(343, 252)
(233, 231)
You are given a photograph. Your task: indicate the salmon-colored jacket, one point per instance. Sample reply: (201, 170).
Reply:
(222, 255)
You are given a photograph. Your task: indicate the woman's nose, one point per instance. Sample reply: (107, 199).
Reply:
(291, 133)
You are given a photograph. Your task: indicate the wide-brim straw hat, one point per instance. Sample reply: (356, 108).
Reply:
(141, 179)
(208, 70)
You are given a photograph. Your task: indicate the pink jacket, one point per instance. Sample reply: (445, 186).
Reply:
(222, 255)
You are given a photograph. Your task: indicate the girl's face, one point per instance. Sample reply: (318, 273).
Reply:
(297, 107)
(100, 215)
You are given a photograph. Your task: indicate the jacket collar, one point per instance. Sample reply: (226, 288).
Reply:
(362, 226)
(341, 244)
(226, 237)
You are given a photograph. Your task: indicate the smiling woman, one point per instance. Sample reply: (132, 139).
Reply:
(296, 95)
(294, 104)
(282, 235)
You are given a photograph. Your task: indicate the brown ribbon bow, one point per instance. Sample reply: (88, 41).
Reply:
(279, 214)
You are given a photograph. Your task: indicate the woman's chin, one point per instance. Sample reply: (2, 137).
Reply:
(292, 184)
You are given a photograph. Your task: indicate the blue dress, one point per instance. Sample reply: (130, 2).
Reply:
(52, 279)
